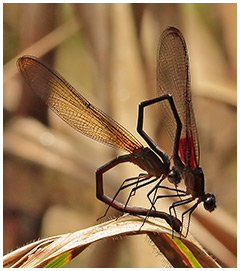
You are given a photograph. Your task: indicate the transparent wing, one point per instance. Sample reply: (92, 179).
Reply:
(173, 77)
(72, 107)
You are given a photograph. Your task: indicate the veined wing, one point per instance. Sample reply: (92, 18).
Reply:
(173, 77)
(72, 107)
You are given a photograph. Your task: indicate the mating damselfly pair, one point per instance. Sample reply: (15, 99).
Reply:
(174, 97)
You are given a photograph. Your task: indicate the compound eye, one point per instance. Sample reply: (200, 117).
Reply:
(210, 202)
(174, 176)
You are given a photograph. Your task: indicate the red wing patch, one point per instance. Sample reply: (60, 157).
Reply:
(186, 151)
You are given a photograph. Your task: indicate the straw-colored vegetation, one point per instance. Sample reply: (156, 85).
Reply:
(108, 53)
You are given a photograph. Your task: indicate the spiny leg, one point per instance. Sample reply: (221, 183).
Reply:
(158, 197)
(122, 187)
(151, 191)
(139, 180)
(169, 196)
(152, 205)
(163, 196)
(179, 203)
(133, 191)
(190, 211)
(158, 186)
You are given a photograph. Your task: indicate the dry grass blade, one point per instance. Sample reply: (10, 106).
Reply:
(183, 252)
(43, 46)
(43, 252)
(20, 255)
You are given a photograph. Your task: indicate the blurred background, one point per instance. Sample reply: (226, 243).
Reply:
(108, 53)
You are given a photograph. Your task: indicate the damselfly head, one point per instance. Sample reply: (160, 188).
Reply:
(174, 176)
(209, 202)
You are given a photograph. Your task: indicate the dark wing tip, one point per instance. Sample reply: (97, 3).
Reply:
(23, 61)
(173, 31)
